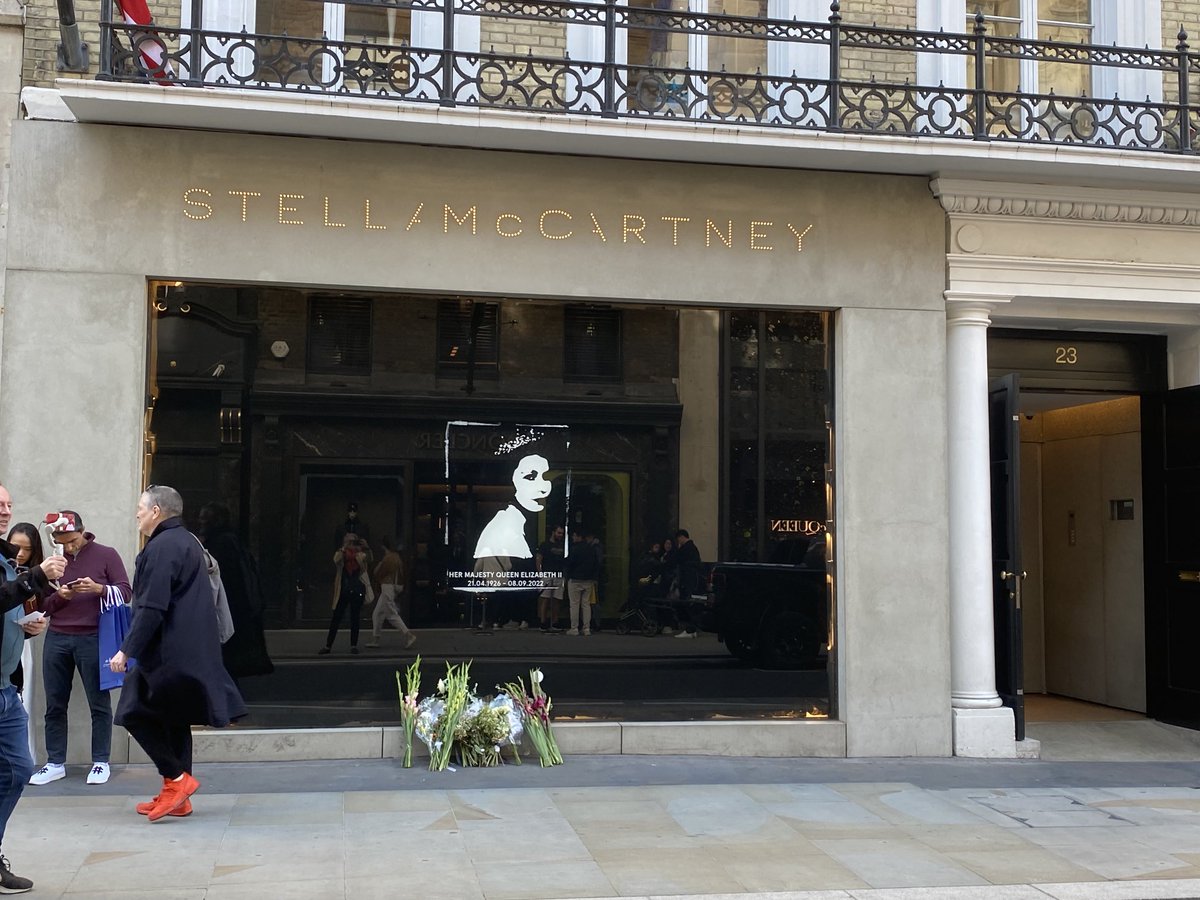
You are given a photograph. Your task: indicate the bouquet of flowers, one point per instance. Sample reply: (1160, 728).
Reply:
(484, 728)
(438, 716)
(409, 689)
(534, 705)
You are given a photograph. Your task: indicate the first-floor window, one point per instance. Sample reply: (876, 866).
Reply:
(339, 336)
(1068, 21)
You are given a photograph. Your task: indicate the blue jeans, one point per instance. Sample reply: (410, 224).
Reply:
(61, 656)
(15, 764)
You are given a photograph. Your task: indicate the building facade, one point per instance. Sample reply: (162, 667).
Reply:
(902, 298)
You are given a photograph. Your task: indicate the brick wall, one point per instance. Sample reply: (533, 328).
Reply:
(519, 37)
(1185, 13)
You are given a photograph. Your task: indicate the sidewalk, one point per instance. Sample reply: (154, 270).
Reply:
(626, 826)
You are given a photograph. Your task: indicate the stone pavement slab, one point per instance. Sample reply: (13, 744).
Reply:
(636, 827)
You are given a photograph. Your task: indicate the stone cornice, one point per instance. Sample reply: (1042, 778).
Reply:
(1069, 204)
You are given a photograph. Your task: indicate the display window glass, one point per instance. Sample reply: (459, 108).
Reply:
(389, 497)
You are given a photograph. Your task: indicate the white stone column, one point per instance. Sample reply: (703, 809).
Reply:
(982, 726)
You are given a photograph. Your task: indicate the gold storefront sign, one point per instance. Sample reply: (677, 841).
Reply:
(640, 227)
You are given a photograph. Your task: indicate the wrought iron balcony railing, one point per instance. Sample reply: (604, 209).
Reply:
(819, 76)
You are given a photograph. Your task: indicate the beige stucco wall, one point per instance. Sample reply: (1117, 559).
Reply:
(78, 281)
(892, 532)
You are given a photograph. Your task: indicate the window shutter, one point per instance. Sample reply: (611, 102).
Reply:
(339, 336)
(456, 320)
(592, 344)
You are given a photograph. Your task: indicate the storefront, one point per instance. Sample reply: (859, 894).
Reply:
(754, 355)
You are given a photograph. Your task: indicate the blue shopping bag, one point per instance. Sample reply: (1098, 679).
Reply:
(115, 617)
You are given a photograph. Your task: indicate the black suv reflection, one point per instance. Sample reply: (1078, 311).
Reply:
(775, 614)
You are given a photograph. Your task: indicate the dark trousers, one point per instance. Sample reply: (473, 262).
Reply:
(351, 600)
(169, 746)
(15, 764)
(62, 656)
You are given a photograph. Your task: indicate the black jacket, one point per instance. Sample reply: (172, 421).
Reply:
(179, 677)
(688, 569)
(582, 562)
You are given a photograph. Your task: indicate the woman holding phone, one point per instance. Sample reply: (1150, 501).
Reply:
(24, 536)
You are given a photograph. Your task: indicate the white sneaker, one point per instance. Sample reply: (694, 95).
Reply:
(99, 773)
(667, 629)
(573, 632)
(48, 773)
(410, 640)
(523, 626)
(686, 634)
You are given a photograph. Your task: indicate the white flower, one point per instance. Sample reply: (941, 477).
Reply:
(536, 676)
(441, 685)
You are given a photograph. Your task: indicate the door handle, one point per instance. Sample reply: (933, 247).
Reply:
(1192, 576)
(1015, 593)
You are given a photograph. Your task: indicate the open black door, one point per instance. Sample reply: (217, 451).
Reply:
(1171, 429)
(1005, 422)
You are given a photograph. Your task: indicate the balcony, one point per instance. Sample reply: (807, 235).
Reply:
(559, 65)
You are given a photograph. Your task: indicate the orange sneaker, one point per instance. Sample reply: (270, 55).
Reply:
(143, 809)
(174, 795)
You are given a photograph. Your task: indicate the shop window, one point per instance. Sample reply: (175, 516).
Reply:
(592, 344)
(339, 336)
(468, 336)
(776, 422)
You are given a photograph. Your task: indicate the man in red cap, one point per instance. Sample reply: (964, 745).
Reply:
(73, 643)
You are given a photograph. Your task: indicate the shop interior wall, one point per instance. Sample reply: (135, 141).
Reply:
(1091, 618)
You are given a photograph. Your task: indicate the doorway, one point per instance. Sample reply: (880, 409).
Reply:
(1073, 606)
(1083, 598)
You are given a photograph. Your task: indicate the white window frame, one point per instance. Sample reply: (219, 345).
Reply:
(1126, 23)
(427, 33)
(585, 44)
(806, 61)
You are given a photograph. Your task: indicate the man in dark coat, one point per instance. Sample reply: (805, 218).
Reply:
(178, 679)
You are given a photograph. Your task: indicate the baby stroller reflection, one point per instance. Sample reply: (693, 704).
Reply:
(649, 608)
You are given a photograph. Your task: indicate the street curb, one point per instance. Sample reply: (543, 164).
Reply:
(1178, 889)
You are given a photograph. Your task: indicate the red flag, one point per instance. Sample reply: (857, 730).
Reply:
(149, 46)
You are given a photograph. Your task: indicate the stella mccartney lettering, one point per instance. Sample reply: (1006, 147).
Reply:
(460, 219)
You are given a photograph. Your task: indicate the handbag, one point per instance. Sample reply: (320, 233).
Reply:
(219, 597)
(115, 617)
